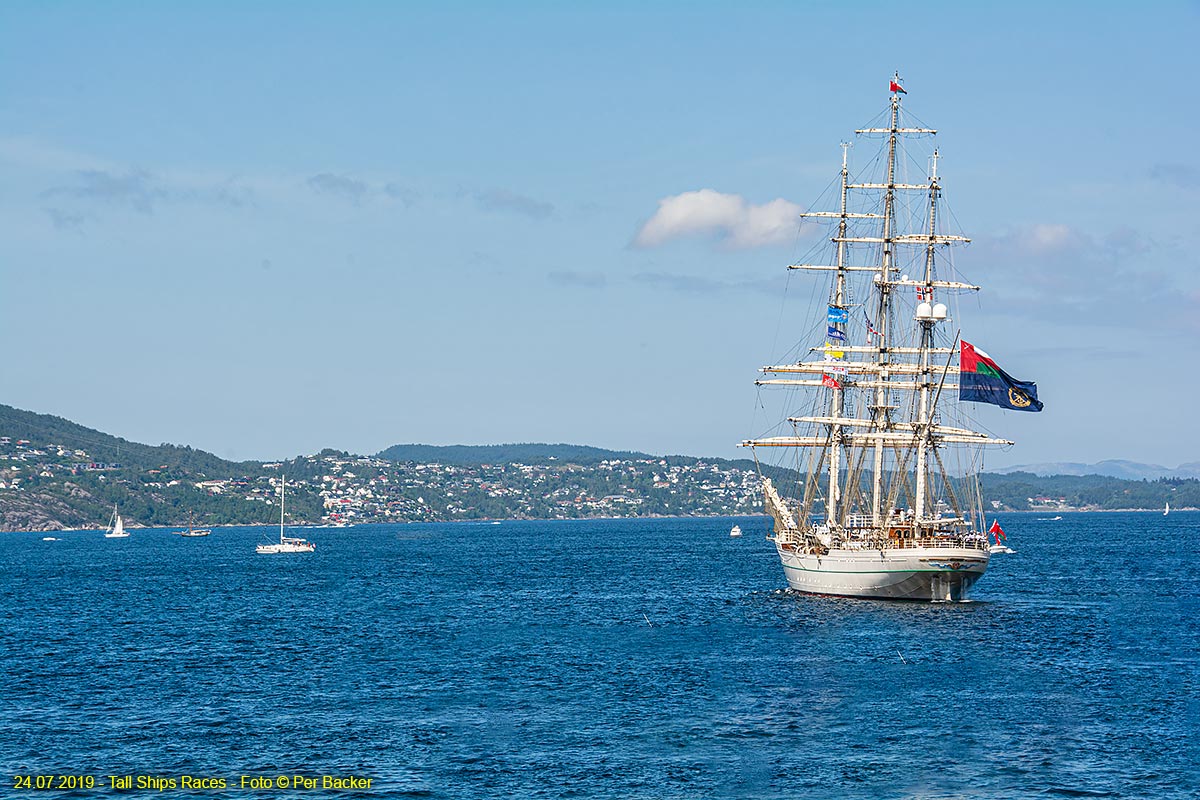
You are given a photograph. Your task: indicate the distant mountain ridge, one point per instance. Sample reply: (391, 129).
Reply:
(1110, 468)
(534, 453)
(462, 454)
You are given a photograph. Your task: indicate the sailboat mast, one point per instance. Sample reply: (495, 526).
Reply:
(282, 493)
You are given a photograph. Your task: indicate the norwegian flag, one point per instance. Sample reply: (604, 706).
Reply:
(895, 85)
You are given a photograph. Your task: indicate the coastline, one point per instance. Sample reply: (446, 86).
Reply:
(487, 520)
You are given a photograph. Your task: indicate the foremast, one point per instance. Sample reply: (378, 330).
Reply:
(922, 369)
(838, 399)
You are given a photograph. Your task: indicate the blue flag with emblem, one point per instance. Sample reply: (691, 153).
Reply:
(981, 380)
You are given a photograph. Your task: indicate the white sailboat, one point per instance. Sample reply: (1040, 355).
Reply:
(1167, 508)
(881, 496)
(116, 527)
(287, 544)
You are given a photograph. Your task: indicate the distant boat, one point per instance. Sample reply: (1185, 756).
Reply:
(287, 544)
(116, 527)
(195, 531)
(49, 539)
(1167, 508)
(735, 531)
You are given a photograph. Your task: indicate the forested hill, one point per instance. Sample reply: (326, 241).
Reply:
(45, 429)
(1023, 491)
(56, 474)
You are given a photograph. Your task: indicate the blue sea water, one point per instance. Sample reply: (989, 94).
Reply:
(601, 659)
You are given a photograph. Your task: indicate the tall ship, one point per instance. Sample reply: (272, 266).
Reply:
(875, 449)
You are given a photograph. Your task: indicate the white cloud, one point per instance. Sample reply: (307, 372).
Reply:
(728, 217)
(586, 280)
(339, 185)
(504, 200)
(134, 187)
(1051, 270)
(1184, 176)
(1052, 238)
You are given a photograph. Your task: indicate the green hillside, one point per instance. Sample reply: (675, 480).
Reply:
(1024, 491)
(57, 474)
(533, 453)
(45, 429)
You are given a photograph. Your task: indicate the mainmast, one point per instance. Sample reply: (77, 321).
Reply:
(881, 409)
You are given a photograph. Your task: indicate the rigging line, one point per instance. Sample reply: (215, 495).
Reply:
(854, 482)
(835, 181)
(787, 287)
(975, 421)
(812, 483)
(783, 303)
(946, 480)
(942, 382)
(913, 121)
(899, 477)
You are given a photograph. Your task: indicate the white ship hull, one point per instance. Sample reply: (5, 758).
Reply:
(292, 546)
(911, 573)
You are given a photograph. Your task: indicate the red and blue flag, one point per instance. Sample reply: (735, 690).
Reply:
(981, 380)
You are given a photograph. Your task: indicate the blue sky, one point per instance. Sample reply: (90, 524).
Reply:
(267, 228)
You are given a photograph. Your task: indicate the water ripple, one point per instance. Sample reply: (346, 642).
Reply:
(607, 659)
